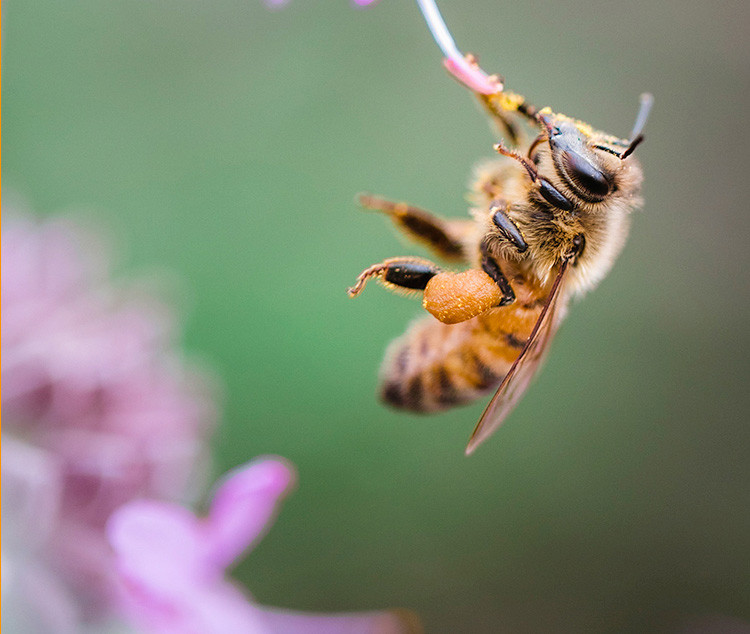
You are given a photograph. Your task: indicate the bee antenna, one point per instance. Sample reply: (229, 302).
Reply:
(530, 167)
(647, 100)
(631, 148)
(636, 136)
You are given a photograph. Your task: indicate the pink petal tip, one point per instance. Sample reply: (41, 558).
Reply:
(473, 77)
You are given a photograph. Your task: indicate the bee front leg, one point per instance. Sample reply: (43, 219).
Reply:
(490, 90)
(398, 274)
(507, 227)
(502, 104)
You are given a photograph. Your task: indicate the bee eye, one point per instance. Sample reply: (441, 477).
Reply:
(587, 178)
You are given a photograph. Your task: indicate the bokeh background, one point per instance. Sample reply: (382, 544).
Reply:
(225, 142)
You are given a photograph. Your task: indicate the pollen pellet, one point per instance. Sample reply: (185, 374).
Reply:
(456, 297)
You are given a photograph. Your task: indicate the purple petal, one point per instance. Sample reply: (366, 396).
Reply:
(244, 506)
(171, 564)
(204, 609)
(159, 547)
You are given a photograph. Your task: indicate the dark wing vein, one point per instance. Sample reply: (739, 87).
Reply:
(523, 369)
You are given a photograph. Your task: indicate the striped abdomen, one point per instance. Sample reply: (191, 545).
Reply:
(434, 366)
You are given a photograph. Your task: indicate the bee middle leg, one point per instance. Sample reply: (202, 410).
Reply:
(443, 237)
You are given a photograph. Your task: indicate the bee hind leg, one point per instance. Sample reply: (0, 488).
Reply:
(443, 237)
(399, 274)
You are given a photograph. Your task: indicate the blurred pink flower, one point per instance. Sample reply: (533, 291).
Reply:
(172, 564)
(98, 409)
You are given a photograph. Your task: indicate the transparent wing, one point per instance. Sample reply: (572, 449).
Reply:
(523, 369)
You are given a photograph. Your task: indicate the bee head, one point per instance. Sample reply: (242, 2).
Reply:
(578, 162)
(575, 158)
(582, 155)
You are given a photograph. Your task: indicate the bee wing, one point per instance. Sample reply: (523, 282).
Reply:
(523, 369)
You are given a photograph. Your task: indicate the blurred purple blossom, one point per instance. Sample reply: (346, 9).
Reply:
(104, 427)
(98, 408)
(172, 564)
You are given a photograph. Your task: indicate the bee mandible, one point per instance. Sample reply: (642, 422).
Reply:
(546, 224)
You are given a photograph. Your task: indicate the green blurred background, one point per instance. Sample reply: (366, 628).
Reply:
(225, 142)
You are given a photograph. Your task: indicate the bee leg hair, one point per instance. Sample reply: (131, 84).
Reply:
(399, 274)
(444, 237)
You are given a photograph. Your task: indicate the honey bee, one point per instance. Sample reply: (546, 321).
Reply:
(546, 224)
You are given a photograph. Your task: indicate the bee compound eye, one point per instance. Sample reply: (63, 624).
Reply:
(584, 176)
